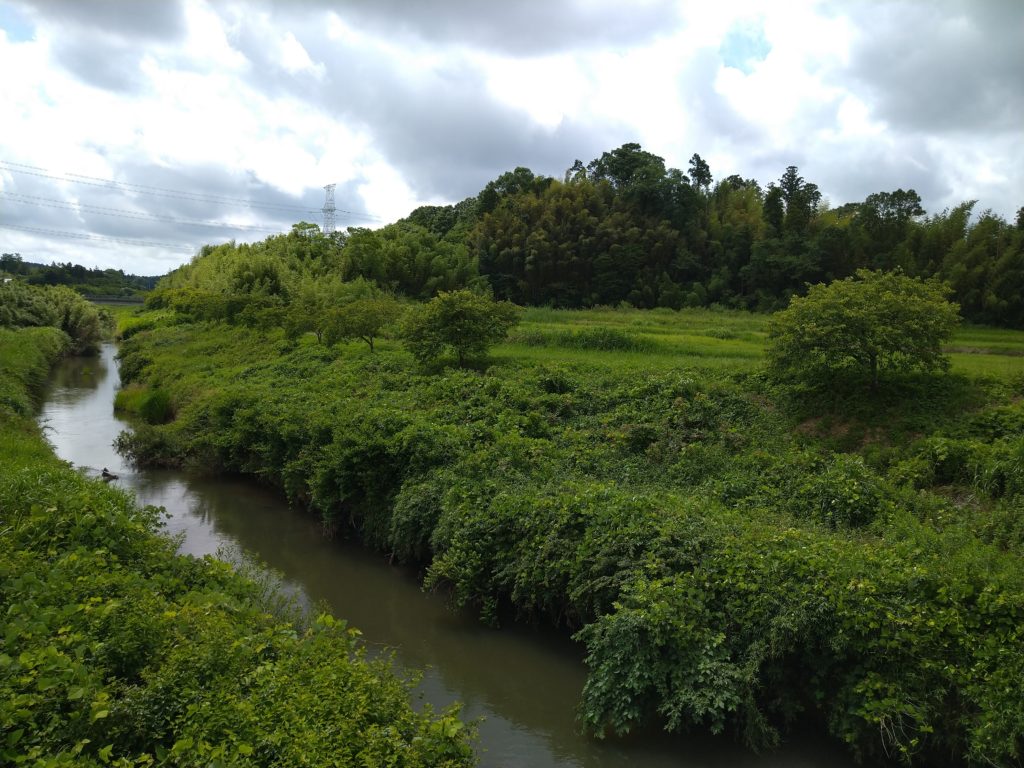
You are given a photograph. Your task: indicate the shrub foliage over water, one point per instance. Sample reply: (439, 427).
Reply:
(116, 651)
(722, 569)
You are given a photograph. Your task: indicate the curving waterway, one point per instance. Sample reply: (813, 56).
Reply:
(523, 683)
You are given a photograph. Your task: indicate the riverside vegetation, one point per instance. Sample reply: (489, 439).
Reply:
(737, 550)
(115, 651)
(734, 554)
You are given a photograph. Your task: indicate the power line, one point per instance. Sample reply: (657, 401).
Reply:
(190, 196)
(81, 236)
(100, 210)
(146, 189)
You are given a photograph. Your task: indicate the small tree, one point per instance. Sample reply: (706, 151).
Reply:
(462, 321)
(862, 326)
(360, 319)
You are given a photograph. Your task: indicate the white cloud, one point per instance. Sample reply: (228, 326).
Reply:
(274, 102)
(295, 58)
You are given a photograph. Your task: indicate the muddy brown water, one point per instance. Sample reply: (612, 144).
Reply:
(522, 683)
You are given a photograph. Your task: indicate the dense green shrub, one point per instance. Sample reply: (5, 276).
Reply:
(861, 328)
(116, 650)
(22, 305)
(463, 322)
(722, 570)
(153, 406)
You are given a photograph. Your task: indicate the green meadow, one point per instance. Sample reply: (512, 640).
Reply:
(724, 340)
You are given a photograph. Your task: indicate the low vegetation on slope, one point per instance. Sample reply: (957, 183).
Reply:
(117, 651)
(730, 558)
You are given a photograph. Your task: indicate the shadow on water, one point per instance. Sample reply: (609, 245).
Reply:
(524, 682)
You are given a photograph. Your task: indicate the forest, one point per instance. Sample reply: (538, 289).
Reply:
(624, 228)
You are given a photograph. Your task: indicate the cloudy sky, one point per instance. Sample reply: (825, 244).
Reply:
(133, 132)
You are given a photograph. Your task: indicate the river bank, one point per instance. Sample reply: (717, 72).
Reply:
(727, 568)
(118, 650)
(523, 682)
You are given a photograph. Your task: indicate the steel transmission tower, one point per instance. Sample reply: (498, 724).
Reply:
(329, 210)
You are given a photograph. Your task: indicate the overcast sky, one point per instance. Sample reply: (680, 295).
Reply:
(147, 125)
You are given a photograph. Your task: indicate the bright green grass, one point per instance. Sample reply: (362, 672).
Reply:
(724, 341)
(721, 341)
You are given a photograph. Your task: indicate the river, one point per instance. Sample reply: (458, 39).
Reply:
(523, 683)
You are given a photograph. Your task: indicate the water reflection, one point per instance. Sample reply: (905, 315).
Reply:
(525, 682)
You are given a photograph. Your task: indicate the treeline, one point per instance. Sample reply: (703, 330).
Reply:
(626, 228)
(88, 282)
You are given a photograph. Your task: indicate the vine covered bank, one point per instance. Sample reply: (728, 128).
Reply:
(728, 564)
(117, 651)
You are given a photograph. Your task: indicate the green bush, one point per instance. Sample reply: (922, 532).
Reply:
(461, 321)
(117, 651)
(723, 569)
(155, 407)
(861, 328)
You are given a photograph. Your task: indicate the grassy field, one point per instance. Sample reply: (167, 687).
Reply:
(725, 341)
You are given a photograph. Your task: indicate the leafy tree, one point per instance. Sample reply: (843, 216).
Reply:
(700, 172)
(886, 217)
(863, 325)
(518, 182)
(311, 303)
(638, 177)
(463, 321)
(12, 264)
(628, 166)
(360, 319)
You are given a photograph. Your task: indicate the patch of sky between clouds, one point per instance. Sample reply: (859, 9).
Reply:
(14, 24)
(744, 46)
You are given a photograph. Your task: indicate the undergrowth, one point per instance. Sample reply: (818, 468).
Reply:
(117, 651)
(732, 556)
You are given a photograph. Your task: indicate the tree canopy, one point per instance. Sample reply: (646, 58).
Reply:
(462, 321)
(862, 327)
(362, 319)
(626, 227)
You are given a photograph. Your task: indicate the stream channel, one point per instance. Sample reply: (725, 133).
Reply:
(524, 682)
